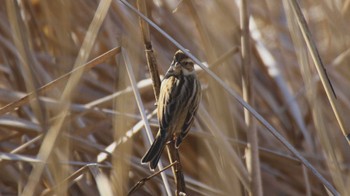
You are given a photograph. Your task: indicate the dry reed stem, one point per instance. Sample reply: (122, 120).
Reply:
(307, 182)
(251, 152)
(150, 57)
(141, 182)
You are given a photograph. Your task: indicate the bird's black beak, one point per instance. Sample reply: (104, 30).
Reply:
(174, 70)
(176, 66)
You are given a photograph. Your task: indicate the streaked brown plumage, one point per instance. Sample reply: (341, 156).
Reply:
(178, 102)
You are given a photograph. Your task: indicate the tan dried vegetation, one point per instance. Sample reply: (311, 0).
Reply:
(70, 123)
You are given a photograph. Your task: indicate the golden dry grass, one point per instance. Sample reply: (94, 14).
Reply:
(71, 124)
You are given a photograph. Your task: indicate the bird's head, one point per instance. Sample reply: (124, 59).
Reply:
(182, 63)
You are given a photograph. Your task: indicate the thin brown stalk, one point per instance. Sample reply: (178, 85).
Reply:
(141, 182)
(150, 57)
(27, 144)
(307, 181)
(174, 156)
(69, 180)
(252, 150)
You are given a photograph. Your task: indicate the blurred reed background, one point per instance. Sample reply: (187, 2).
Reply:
(83, 133)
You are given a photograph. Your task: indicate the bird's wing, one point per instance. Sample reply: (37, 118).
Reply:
(167, 102)
(193, 107)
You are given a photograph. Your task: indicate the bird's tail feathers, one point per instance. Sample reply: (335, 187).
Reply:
(154, 153)
(153, 164)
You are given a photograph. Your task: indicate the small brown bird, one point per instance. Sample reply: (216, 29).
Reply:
(179, 97)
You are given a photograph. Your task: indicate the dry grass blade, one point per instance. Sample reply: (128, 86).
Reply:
(319, 66)
(103, 184)
(85, 67)
(16, 157)
(20, 125)
(27, 144)
(306, 177)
